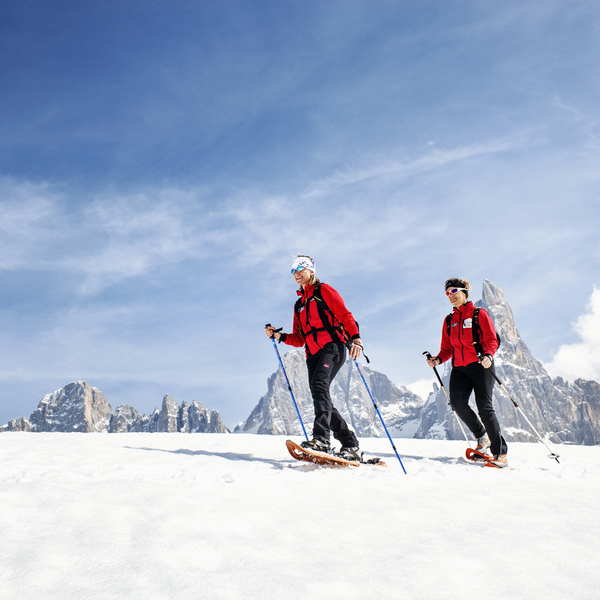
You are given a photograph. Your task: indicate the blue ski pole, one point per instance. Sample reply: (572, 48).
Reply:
(287, 380)
(377, 409)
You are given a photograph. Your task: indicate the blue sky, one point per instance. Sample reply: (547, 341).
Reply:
(161, 163)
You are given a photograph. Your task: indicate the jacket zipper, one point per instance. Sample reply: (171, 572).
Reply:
(462, 346)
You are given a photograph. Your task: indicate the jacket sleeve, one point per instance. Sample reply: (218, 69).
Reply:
(489, 341)
(336, 304)
(445, 352)
(294, 339)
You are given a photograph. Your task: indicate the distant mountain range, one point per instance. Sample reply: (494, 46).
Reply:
(565, 412)
(78, 407)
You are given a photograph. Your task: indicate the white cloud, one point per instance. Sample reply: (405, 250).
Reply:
(581, 359)
(422, 387)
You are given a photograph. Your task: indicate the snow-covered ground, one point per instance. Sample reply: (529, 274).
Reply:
(180, 516)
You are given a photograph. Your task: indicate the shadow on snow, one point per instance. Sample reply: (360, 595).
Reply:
(234, 456)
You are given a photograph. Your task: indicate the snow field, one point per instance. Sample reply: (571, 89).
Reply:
(180, 516)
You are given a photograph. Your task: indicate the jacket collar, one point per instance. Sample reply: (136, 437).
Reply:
(307, 292)
(463, 307)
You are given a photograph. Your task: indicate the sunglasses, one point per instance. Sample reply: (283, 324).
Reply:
(298, 269)
(455, 290)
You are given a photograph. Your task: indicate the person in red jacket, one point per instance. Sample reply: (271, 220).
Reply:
(325, 326)
(471, 372)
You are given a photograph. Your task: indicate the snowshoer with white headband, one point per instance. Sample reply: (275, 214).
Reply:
(324, 325)
(469, 338)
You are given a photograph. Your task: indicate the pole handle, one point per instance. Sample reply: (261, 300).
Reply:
(437, 375)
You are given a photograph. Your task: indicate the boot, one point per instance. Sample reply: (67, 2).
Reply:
(317, 444)
(350, 453)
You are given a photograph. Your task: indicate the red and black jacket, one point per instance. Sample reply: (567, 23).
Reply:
(309, 316)
(459, 344)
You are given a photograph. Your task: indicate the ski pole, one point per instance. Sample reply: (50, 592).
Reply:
(552, 454)
(448, 397)
(287, 380)
(377, 409)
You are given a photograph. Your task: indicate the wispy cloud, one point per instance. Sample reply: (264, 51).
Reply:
(103, 241)
(398, 169)
(558, 103)
(136, 234)
(30, 220)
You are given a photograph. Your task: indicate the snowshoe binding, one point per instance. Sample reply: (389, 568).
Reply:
(317, 444)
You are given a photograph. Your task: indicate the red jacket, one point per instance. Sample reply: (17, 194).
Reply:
(459, 344)
(309, 319)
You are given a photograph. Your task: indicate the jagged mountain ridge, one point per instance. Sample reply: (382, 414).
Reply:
(78, 407)
(275, 413)
(567, 412)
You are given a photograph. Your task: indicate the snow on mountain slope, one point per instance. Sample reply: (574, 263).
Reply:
(155, 516)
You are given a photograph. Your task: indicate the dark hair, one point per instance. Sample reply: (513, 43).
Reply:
(459, 283)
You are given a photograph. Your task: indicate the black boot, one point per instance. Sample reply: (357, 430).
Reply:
(350, 453)
(317, 444)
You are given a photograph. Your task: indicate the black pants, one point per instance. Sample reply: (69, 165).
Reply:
(464, 380)
(322, 368)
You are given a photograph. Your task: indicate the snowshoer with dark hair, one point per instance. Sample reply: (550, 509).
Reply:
(325, 326)
(469, 338)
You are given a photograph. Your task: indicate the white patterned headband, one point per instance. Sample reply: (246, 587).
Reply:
(303, 262)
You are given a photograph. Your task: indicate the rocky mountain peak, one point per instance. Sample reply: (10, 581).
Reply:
(168, 421)
(77, 407)
(491, 294)
(492, 299)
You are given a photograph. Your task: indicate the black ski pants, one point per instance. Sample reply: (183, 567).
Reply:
(474, 377)
(322, 368)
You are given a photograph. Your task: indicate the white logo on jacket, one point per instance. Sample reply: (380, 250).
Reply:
(467, 323)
